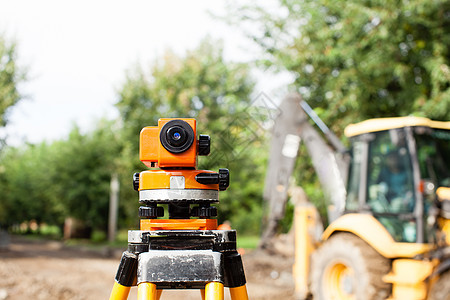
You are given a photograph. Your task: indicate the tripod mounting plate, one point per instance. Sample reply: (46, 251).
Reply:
(180, 268)
(218, 237)
(187, 258)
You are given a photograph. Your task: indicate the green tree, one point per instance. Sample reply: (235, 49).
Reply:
(10, 77)
(201, 85)
(354, 60)
(26, 176)
(83, 165)
(67, 178)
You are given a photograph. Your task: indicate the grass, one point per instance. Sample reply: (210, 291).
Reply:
(247, 241)
(99, 240)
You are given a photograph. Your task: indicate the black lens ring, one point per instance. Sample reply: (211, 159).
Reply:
(189, 140)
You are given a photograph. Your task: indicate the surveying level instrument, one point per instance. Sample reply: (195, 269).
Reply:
(185, 251)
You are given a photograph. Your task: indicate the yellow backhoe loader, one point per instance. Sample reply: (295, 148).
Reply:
(389, 230)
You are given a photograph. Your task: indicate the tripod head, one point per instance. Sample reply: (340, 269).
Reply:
(171, 149)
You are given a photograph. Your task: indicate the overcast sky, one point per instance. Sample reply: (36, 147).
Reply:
(77, 53)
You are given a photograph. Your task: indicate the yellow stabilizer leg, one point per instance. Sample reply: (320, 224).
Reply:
(147, 291)
(119, 292)
(213, 291)
(239, 293)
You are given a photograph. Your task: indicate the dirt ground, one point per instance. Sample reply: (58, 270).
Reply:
(51, 270)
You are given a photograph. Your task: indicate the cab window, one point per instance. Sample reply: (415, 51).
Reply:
(390, 186)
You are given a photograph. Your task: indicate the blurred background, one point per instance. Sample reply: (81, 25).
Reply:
(79, 79)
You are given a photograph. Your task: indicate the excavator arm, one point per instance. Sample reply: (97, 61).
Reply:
(292, 127)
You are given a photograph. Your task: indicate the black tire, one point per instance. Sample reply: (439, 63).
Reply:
(441, 288)
(346, 267)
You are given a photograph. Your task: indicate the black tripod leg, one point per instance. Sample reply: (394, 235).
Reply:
(125, 276)
(235, 276)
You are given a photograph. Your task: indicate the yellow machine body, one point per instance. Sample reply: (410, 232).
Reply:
(445, 225)
(380, 124)
(408, 275)
(372, 232)
(412, 274)
(408, 278)
(306, 217)
(443, 195)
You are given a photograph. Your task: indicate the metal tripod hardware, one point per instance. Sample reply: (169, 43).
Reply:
(177, 259)
(188, 259)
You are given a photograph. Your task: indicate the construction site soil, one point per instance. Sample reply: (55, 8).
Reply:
(37, 269)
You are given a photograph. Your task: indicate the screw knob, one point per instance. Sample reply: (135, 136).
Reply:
(151, 212)
(224, 179)
(204, 145)
(136, 181)
(204, 211)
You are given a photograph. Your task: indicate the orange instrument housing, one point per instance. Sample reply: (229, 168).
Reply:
(153, 154)
(173, 146)
(178, 224)
(160, 179)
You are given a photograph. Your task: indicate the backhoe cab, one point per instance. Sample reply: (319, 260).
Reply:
(397, 165)
(394, 235)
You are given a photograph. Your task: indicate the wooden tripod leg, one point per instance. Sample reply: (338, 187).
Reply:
(214, 291)
(147, 291)
(239, 293)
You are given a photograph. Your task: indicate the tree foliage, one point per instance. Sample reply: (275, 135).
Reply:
(10, 77)
(67, 178)
(26, 183)
(354, 60)
(83, 166)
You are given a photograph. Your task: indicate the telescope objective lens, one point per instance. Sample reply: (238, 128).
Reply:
(177, 136)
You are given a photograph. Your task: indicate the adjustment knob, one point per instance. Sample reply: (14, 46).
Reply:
(136, 181)
(151, 212)
(224, 179)
(204, 145)
(204, 211)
